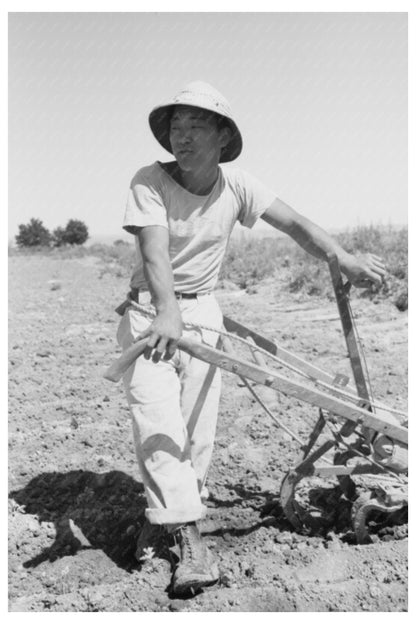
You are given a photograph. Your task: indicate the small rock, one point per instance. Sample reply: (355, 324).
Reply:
(54, 284)
(85, 577)
(177, 605)
(283, 538)
(301, 546)
(374, 591)
(49, 582)
(226, 580)
(382, 577)
(162, 601)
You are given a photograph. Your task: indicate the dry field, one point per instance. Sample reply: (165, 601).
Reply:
(75, 497)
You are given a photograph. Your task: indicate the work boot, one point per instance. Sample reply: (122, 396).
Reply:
(151, 542)
(197, 567)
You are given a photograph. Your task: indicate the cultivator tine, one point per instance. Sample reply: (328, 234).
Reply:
(291, 509)
(316, 432)
(365, 504)
(306, 465)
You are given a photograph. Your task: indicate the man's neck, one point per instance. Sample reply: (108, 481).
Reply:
(198, 184)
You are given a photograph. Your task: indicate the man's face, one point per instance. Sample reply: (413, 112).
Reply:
(195, 139)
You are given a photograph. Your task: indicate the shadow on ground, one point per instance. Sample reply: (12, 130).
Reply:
(89, 510)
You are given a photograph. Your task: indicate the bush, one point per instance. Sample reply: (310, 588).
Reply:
(58, 237)
(33, 234)
(75, 233)
(249, 263)
(401, 301)
(297, 272)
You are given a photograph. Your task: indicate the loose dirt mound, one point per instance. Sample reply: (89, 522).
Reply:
(76, 502)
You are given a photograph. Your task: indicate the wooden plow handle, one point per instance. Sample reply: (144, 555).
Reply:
(272, 379)
(341, 294)
(120, 366)
(265, 376)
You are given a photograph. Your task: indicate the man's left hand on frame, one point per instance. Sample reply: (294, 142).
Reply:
(364, 270)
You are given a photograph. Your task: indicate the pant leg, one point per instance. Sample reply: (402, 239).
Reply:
(201, 387)
(160, 434)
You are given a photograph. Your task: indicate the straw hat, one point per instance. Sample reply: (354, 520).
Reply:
(201, 95)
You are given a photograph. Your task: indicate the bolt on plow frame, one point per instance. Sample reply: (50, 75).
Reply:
(365, 446)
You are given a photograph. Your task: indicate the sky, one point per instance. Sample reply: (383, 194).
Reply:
(320, 99)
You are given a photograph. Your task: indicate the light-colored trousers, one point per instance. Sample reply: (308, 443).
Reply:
(174, 407)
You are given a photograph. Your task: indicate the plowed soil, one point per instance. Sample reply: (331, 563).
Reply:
(76, 502)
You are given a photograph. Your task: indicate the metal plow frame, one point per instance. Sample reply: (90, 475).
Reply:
(352, 421)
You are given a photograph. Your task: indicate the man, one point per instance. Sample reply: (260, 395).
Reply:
(181, 214)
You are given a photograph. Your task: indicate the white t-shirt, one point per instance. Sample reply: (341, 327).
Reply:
(199, 226)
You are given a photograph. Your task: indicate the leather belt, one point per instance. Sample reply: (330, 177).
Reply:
(134, 295)
(179, 295)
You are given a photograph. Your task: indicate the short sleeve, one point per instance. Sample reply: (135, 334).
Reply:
(145, 205)
(255, 198)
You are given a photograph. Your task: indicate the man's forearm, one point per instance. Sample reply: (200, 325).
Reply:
(165, 330)
(307, 234)
(160, 282)
(157, 268)
(316, 241)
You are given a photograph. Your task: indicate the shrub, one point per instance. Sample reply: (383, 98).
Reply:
(401, 301)
(33, 234)
(75, 233)
(58, 237)
(250, 262)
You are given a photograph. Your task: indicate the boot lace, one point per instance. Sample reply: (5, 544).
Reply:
(189, 547)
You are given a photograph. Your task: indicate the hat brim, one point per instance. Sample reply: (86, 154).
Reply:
(159, 121)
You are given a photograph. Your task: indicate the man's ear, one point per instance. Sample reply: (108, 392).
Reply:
(225, 136)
